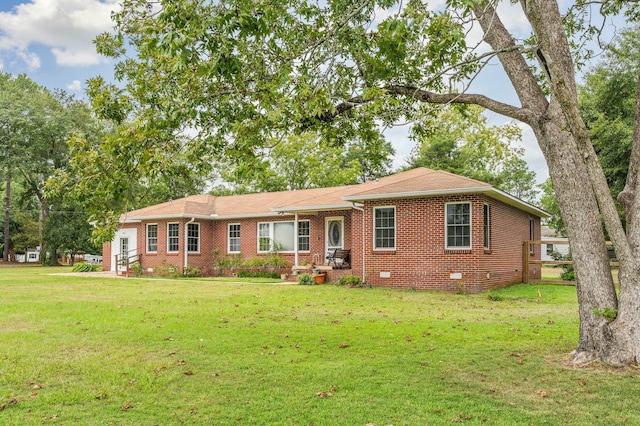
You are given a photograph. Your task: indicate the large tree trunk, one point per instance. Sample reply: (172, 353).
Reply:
(616, 342)
(578, 180)
(581, 216)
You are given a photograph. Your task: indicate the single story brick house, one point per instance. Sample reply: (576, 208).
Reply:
(422, 229)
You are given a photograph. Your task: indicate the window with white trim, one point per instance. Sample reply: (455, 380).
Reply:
(233, 245)
(532, 228)
(458, 226)
(152, 238)
(384, 228)
(173, 237)
(304, 235)
(487, 226)
(193, 237)
(279, 236)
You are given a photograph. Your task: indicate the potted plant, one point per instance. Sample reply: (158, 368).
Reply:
(319, 278)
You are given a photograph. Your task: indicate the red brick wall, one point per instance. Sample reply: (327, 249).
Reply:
(106, 256)
(419, 260)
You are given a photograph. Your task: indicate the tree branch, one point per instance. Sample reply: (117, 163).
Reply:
(508, 110)
(426, 96)
(498, 37)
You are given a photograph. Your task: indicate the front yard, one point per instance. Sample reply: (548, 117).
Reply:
(81, 350)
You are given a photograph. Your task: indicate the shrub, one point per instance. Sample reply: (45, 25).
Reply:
(227, 260)
(568, 274)
(350, 281)
(86, 267)
(269, 261)
(305, 279)
(168, 270)
(257, 274)
(192, 272)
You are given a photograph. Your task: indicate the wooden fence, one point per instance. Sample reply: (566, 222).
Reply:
(527, 261)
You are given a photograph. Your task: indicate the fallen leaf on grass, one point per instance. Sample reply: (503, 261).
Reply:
(344, 345)
(542, 394)
(325, 394)
(126, 406)
(188, 373)
(12, 401)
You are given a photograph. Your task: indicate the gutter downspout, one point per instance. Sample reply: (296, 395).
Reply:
(186, 245)
(295, 239)
(363, 250)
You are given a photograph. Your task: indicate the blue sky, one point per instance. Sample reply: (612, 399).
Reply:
(51, 42)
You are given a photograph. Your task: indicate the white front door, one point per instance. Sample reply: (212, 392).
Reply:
(124, 247)
(334, 233)
(124, 243)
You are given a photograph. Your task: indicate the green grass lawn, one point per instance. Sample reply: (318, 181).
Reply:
(84, 350)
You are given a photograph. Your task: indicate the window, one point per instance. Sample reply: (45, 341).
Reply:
(304, 236)
(193, 237)
(279, 236)
(458, 225)
(173, 233)
(234, 238)
(264, 236)
(487, 227)
(549, 249)
(384, 228)
(531, 236)
(152, 238)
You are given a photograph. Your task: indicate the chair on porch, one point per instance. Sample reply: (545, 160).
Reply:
(341, 258)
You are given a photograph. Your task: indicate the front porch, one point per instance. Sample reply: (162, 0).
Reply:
(332, 274)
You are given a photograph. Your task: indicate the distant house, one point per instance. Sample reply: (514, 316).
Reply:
(31, 255)
(421, 229)
(553, 243)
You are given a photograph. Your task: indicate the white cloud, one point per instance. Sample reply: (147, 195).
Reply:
(75, 86)
(31, 59)
(66, 26)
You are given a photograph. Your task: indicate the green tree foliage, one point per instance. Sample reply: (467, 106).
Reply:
(460, 140)
(608, 105)
(302, 161)
(549, 203)
(35, 124)
(67, 230)
(518, 180)
(126, 169)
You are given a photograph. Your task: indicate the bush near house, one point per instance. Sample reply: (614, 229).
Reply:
(86, 267)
